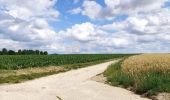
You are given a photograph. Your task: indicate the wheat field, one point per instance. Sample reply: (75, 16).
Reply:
(147, 63)
(147, 74)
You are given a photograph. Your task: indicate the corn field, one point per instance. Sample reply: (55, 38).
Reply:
(11, 62)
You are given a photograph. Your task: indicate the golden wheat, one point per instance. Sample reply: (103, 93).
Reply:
(147, 63)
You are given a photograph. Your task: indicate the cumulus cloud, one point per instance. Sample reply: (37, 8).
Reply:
(75, 10)
(23, 31)
(91, 9)
(147, 23)
(150, 29)
(26, 26)
(134, 5)
(84, 32)
(6, 43)
(118, 7)
(25, 9)
(87, 37)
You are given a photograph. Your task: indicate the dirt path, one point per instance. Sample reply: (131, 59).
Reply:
(72, 85)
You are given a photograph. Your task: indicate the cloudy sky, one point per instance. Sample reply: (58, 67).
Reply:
(86, 26)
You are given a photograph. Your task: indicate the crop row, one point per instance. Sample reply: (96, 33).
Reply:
(25, 61)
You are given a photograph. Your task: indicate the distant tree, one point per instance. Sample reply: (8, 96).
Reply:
(11, 52)
(29, 52)
(37, 52)
(45, 53)
(41, 53)
(32, 52)
(22, 52)
(4, 51)
(19, 52)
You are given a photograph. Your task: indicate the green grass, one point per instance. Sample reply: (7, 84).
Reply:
(116, 77)
(151, 83)
(25, 77)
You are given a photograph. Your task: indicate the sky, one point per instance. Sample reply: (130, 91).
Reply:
(86, 26)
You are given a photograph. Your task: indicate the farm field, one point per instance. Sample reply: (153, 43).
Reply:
(13, 62)
(18, 68)
(146, 74)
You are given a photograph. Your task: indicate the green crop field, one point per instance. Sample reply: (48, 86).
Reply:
(12, 62)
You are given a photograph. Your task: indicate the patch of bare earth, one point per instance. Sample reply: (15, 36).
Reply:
(99, 78)
(162, 96)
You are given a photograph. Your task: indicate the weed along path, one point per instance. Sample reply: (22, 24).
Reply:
(71, 85)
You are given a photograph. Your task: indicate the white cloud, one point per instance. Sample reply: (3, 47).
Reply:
(27, 9)
(156, 22)
(6, 43)
(75, 10)
(91, 9)
(16, 29)
(26, 26)
(118, 7)
(149, 30)
(88, 37)
(83, 32)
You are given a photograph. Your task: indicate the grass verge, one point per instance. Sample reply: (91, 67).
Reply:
(25, 77)
(145, 83)
(116, 77)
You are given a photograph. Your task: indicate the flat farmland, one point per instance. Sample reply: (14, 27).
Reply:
(19, 68)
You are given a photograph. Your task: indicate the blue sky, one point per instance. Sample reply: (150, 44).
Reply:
(67, 19)
(86, 26)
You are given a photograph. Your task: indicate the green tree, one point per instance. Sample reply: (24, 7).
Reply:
(4, 51)
(23, 52)
(45, 53)
(0, 52)
(37, 52)
(41, 53)
(19, 52)
(11, 52)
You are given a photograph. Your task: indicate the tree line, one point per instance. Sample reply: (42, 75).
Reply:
(4, 51)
